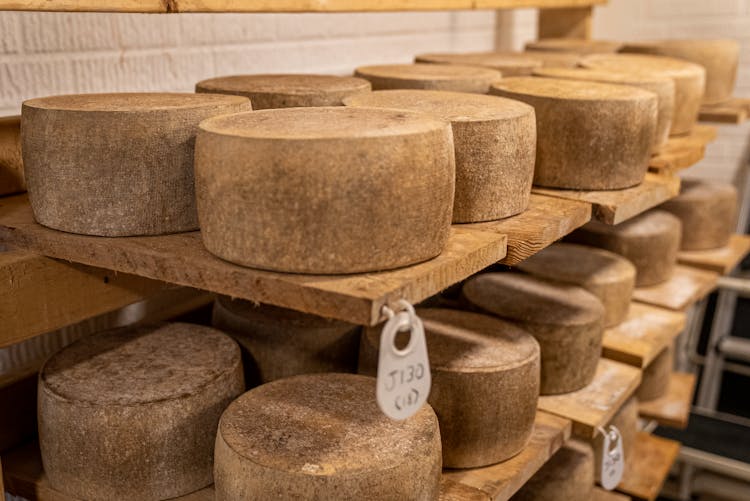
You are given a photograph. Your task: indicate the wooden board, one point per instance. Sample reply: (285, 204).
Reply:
(683, 151)
(722, 260)
(604, 495)
(597, 403)
(546, 220)
(673, 409)
(645, 332)
(182, 259)
(500, 481)
(11, 164)
(615, 206)
(734, 111)
(687, 286)
(648, 466)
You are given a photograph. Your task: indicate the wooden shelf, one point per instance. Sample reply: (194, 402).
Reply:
(673, 409)
(734, 111)
(645, 332)
(604, 495)
(722, 260)
(687, 286)
(11, 165)
(683, 151)
(597, 403)
(648, 466)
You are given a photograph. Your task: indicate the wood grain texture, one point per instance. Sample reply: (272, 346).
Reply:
(687, 286)
(735, 111)
(722, 260)
(681, 152)
(673, 409)
(648, 466)
(11, 164)
(182, 259)
(565, 23)
(603, 495)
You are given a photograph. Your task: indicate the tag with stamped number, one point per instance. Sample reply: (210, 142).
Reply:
(613, 458)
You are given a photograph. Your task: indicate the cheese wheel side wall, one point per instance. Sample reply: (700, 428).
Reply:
(615, 297)
(476, 86)
(708, 223)
(568, 475)
(655, 380)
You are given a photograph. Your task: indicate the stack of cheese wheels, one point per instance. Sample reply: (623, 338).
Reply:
(656, 376)
(590, 136)
(568, 475)
(275, 187)
(509, 64)
(708, 211)
(279, 343)
(607, 275)
(116, 164)
(322, 436)
(485, 384)
(689, 80)
(132, 413)
(495, 144)
(576, 45)
(650, 241)
(567, 321)
(287, 91)
(626, 422)
(429, 77)
(719, 57)
(662, 86)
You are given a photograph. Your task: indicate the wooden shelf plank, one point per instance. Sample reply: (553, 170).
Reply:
(546, 220)
(500, 481)
(11, 164)
(683, 151)
(648, 466)
(687, 286)
(182, 259)
(604, 495)
(722, 260)
(673, 409)
(734, 111)
(645, 332)
(597, 403)
(615, 206)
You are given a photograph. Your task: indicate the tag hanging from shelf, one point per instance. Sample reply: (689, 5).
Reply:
(613, 458)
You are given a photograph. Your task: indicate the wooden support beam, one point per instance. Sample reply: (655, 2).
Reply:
(11, 165)
(572, 22)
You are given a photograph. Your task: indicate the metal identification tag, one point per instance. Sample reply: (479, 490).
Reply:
(613, 458)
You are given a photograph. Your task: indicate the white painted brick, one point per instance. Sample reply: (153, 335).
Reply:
(221, 29)
(10, 33)
(669, 10)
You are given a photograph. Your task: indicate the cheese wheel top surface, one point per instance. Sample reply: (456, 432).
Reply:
(574, 45)
(689, 44)
(579, 264)
(614, 77)
(428, 72)
(525, 298)
(132, 102)
(291, 84)
(701, 189)
(322, 425)
(489, 59)
(452, 106)
(666, 66)
(570, 89)
(651, 223)
(274, 315)
(131, 366)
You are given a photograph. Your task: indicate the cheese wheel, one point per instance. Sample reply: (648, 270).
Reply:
(708, 211)
(626, 421)
(650, 241)
(656, 376)
(509, 64)
(132, 413)
(576, 45)
(663, 87)
(689, 80)
(289, 189)
(287, 91)
(606, 275)
(323, 436)
(566, 320)
(590, 136)
(278, 343)
(568, 475)
(429, 77)
(485, 383)
(116, 164)
(720, 58)
(495, 144)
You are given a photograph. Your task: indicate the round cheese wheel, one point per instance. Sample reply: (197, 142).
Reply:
(689, 80)
(720, 58)
(708, 211)
(323, 436)
(509, 64)
(116, 164)
(566, 320)
(132, 413)
(287, 91)
(576, 45)
(568, 475)
(656, 376)
(650, 241)
(289, 189)
(662, 86)
(607, 275)
(485, 383)
(626, 421)
(590, 136)
(429, 77)
(279, 343)
(495, 144)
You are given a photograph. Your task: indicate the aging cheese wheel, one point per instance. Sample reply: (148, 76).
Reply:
(116, 164)
(689, 80)
(655, 379)
(568, 475)
(287, 91)
(662, 86)
(132, 413)
(495, 144)
(566, 320)
(650, 241)
(708, 211)
(626, 421)
(429, 77)
(289, 189)
(485, 383)
(606, 275)
(719, 57)
(323, 436)
(576, 45)
(279, 343)
(508, 63)
(590, 136)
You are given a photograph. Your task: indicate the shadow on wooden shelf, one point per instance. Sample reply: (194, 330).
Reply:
(721, 260)
(687, 286)
(734, 111)
(681, 152)
(648, 466)
(673, 409)
(604, 495)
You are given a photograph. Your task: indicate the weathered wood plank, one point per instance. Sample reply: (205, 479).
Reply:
(11, 164)
(673, 409)
(648, 466)
(734, 111)
(722, 260)
(683, 151)
(687, 286)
